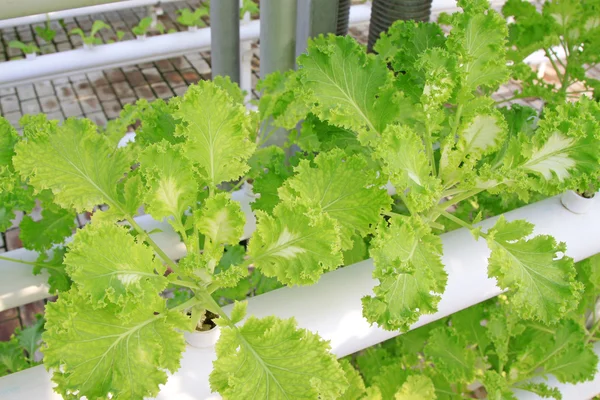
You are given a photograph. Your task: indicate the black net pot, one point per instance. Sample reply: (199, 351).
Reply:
(385, 12)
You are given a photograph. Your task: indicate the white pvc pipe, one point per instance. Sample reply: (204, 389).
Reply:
(51, 66)
(76, 12)
(333, 307)
(114, 55)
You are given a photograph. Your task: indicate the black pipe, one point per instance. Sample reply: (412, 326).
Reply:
(385, 12)
(343, 17)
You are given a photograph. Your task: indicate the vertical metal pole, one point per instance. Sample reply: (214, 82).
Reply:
(277, 49)
(246, 61)
(225, 38)
(277, 35)
(315, 17)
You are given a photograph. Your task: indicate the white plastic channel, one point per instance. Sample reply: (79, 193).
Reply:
(333, 308)
(113, 55)
(77, 12)
(19, 286)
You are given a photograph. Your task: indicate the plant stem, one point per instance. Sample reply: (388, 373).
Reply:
(153, 244)
(185, 305)
(33, 263)
(394, 214)
(405, 201)
(456, 220)
(593, 331)
(557, 58)
(443, 206)
(457, 117)
(429, 149)
(515, 97)
(237, 185)
(186, 284)
(558, 73)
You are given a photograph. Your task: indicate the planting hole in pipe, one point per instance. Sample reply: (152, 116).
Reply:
(576, 203)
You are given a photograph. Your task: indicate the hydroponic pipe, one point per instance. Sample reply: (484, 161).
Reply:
(333, 307)
(51, 66)
(225, 39)
(52, 14)
(114, 55)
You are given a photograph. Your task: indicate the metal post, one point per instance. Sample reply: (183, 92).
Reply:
(246, 61)
(225, 38)
(315, 17)
(277, 48)
(277, 35)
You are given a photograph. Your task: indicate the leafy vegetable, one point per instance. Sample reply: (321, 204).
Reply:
(91, 39)
(419, 117)
(46, 32)
(190, 18)
(30, 48)
(567, 33)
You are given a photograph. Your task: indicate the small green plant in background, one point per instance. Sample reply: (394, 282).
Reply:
(18, 353)
(249, 6)
(46, 32)
(145, 25)
(189, 18)
(30, 48)
(91, 39)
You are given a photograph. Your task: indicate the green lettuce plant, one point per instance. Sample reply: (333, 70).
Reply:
(145, 25)
(30, 48)
(191, 18)
(46, 32)
(486, 346)
(18, 353)
(91, 39)
(419, 115)
(568, 33)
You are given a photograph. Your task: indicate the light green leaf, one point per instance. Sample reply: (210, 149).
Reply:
(127, 274)
(565, 353)
(54, 227)
(30, 337)
(170, 179)
(408, 264)
(8, 139)
(270, 358)
(478, 38)
(356, 387)
(73, 161)
(12, 357)
(497, 387)
(417, 387)
(405, 162)
(221, 220)
(346, 84)
(270, 168)
(58, 280)
(542, 282)
(295, 244)
(14, 196)
(126, 358)
(563, 153)
(344, 188)
(389, 378)
(448, 351)
(217, 130)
